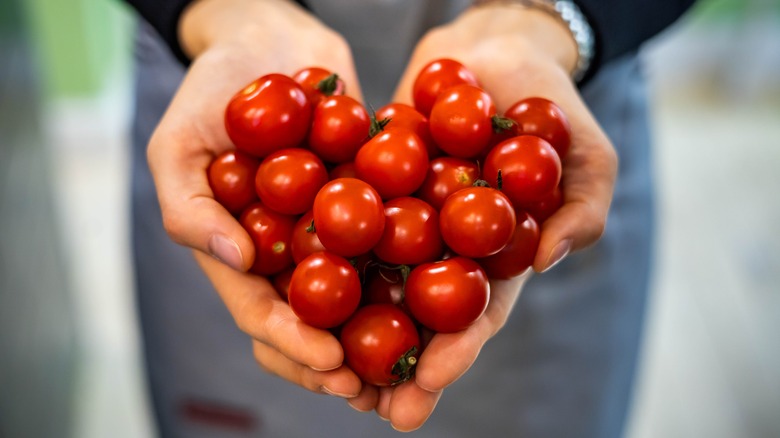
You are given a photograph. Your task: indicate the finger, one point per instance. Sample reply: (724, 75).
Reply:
(366, 400)
(341, 382)
(260, 312)
(587, 183)
(190, 214)
(411, 406)
(449, 355)
(383, 402)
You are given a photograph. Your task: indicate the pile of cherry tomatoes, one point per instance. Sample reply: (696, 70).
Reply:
(378, 225)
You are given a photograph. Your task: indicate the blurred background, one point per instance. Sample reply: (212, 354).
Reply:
(69, 348)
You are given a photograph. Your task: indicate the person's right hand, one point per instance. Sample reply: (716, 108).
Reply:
(231, 43)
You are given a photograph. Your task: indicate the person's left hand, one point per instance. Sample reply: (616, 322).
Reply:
(515, 52)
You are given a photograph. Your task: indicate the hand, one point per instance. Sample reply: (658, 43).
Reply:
(232, 42)
(517, 52)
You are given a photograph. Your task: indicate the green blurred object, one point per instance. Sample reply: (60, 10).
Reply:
(80, 44)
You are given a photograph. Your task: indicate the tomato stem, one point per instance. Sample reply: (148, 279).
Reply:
(405, 366)
(329, 85)
(502, 124)
(499, 180)
(310, 228)
(480, 183)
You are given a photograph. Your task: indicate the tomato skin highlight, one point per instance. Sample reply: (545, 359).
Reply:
(231, 177)
(411, 234)
(518, 255)
(461, 121)
(349, 217)
(530, 168)
(324, 290)
(543, 118)
(449, 295)
(393, 162)
(446, 175)
(269, 114)
(375, 339)
(477, 221)
(339, 127)
(436, 77)
(271, 233)
(289, 179)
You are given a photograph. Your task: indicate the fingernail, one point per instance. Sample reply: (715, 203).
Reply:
(349, 402)
(383, 418)
(226, 250)
(325, 390)
(558, 253)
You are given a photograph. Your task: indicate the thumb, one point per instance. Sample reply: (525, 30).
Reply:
(191, 216)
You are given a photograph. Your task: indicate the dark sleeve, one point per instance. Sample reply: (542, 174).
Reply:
(163, 15)
(622, 26)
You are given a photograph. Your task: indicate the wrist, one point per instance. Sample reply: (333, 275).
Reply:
(557, 27)
(206, 23)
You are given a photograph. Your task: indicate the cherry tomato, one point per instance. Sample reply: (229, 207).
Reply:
(402, 115)
(339, 127)
(232, 179)
(304, 238)
(271, 233)
(542, 118)
(449, 295)
(530, 168)
(384, 286)
(477, 222)
(518, 255)
(446, 175)
(393, 162)
(282, 282)
(319, 83)
(349, 217)
(411, 233)
(269, 114)
(435, 78)
(324, 290)
(542, 210)
(381, 345)
(461, 121)
(288, 180)
(343, 170)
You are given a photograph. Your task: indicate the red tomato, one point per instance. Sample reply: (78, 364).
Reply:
(349, 217)
(446, 175)
(381, 345)
(319, 83)
(394, 163)
(542, 210)
(339, 127)
(304, 238)
(542, 118)
(449, 295)
(324, 290)
(288, 180)
(461, 121)
(402, 115)
(282, 282)
(384, 286)
(411, 233)
(518, 255)
(477, 222)
(530, 168)
(271, 233)
(232, 179)
(435, 78)
(343, 170)
(269, 114)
